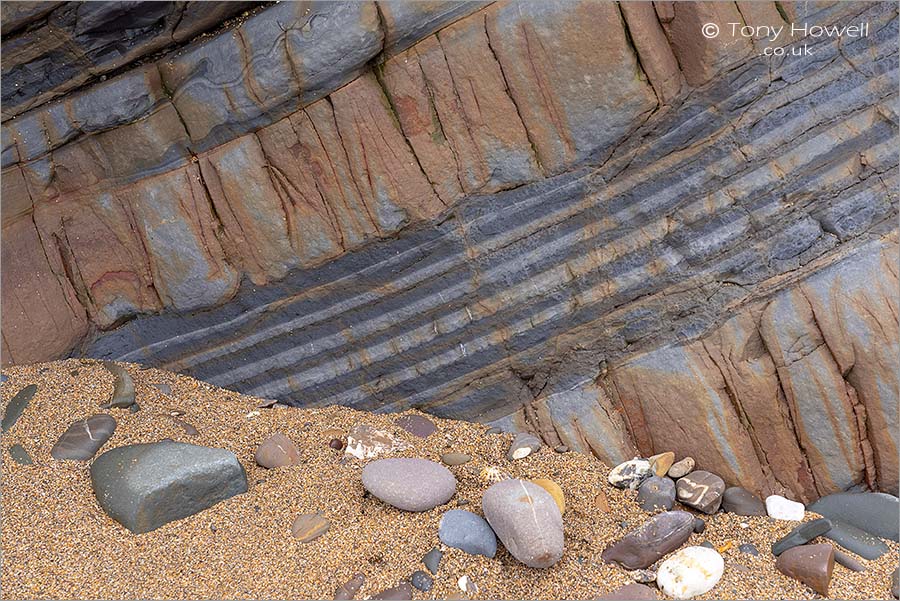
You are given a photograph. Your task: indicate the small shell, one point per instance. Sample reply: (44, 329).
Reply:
(493, 474)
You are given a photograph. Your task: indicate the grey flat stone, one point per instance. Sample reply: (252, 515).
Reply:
(123, 387)
(17, 406)
(848, 562)
(409, 484)
(432, 560)
(872, 512)
(145, 486)
(20, 455)
(856, 541)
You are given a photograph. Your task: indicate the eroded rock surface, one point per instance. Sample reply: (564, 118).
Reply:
(586, 210)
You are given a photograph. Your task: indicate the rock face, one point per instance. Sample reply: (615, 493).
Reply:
(145, 486)
(444, 205)
(526, 520)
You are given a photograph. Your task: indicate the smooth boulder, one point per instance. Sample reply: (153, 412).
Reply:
(661, 534)
(741, 501)
(526, 520)
(409, 484)
(467, 531)
(83, 438)
(656, 493)
(872, 512)
(810, 564)
(701, 490)
(144, 486)
(690, 572)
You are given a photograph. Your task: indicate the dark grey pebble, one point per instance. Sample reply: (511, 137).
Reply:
(134, 408)
(20, 455)
(656, 493)
(801, 535)
(17, 406)
(123, 387)
(163, 388)
(699, 525)
(707, 544)
(432, 560)
(467, 531)
(749, 548)
(422, 580)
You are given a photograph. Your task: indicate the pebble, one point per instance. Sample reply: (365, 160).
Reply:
(661, 534)
(277, 451)
(872, 512)
(855, 540)
(163, 388)
(748, 548)
(701, 490)
(409, 484)
(643, 576)
(123, 387)
(189, 429)
(83, 438)
(416, 425)
(17, 406)
(336, 443)
(455, 458)
(707, 544)
(555, 491)
(309, 526)
(661, 463)
(690, 572)
(801, 535)
(20, 455)
(780, 508)
(741, 501)
(601, 502)
(630, 592)
(699, 525)
(561, 448)
(848, 562)
(432, 560)
(467, 585)
(895, 583)
(348, 590)
(656, 493)
(421, 580)
(630, 474)
(526, 520)
(681, 468)
(522, 446)
(143, 486)
(364, 441)
(3, 378)
(467, 531)
(403, 590)
(810, 564)
(134, 408)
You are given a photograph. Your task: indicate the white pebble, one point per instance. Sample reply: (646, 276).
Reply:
(690, 572)
(780, 508)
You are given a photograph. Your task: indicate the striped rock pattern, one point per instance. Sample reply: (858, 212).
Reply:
(564, 218)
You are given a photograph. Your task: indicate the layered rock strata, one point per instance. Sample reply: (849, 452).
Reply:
(579, 219)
